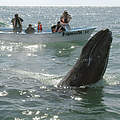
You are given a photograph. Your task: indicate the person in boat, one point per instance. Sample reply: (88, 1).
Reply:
(17, 23)
(57, 28)
(30, 29)
(39, 28)
(53, 28)
(65, 19)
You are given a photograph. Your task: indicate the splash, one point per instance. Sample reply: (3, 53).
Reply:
(3, 93)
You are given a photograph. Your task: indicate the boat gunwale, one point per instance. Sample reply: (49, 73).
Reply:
(73, 30)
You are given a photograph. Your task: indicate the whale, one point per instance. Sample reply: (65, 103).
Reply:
(92, 63)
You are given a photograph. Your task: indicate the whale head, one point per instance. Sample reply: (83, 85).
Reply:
(92, 63)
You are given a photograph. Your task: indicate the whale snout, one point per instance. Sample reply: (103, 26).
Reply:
(103, 38)
(107, 30)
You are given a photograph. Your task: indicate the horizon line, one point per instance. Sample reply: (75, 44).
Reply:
(58, 6)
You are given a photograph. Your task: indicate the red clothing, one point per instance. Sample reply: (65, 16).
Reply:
(40, 27)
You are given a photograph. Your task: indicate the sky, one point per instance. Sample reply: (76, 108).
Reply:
(59, 2)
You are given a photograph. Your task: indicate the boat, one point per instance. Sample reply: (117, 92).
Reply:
(73, 35)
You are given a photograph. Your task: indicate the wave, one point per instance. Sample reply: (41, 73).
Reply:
(46, 79)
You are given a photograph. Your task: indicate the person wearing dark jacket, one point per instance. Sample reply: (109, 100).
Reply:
(65, 19)
(30, 29)
(17, 23)
(59, 27)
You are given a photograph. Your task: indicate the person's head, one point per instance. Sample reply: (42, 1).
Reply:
(16, 15)
(65, 12)
(58, 23)
(39, 22)
(53, 28)
(30, 25)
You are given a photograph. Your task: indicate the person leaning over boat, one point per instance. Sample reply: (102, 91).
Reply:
(39, 28)
(59, 27)
(65, 19)
(17, 23)
(30, 29)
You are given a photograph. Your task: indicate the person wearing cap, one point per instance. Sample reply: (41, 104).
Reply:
(39, 28)
(65, 19)
(30, 29)
(17, 23)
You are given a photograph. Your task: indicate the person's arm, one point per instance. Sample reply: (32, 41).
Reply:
(13, 23)
(70, 17)
(21, 19)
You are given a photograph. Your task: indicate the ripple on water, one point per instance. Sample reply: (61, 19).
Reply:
(3, 93)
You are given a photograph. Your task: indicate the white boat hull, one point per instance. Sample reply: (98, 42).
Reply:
(75, 35)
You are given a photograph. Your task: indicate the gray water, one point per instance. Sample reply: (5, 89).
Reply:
(29, 73)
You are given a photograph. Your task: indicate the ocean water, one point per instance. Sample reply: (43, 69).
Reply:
(29, 73)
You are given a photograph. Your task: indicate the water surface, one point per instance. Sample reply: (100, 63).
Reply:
(29, 73)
